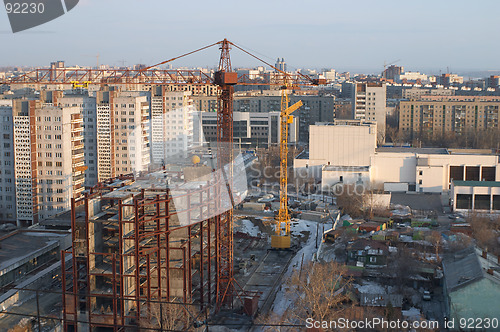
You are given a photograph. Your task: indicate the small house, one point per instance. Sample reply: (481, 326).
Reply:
(367, 253)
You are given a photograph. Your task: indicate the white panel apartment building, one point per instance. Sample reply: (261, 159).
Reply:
(46, 166)
(123, 132)
(171, 125)
(369, 103)
(60, 158)
(87, 105)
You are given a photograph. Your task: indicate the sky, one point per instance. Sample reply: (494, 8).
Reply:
(356, 36)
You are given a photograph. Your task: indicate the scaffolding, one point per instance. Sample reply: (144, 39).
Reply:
(132, 249)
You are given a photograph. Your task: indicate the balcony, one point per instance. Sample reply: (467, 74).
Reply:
(78, 178)
(78, 161)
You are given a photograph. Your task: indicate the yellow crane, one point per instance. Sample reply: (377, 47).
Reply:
(282, 239)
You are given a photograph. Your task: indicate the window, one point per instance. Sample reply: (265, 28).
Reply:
(373, 259)
(420, 172)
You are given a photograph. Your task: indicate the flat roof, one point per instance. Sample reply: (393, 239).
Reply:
(21, 246)
(472, 151)
(488, 184)
(346, 168)
(402, 149)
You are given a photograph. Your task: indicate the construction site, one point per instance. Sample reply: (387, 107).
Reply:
(176, 247)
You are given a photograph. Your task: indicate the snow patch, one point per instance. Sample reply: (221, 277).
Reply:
(248, 227)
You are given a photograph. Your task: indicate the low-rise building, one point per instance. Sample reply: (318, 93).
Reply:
(470, 292)
(367, 253)
(250, 129)
(482, 196)
(345, 152)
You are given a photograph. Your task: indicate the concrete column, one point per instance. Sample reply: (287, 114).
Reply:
(491, 199)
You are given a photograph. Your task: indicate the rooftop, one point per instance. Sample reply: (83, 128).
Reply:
(346, 168)
(17, 247)
(461, 269)
(488, 184)
(402, 149)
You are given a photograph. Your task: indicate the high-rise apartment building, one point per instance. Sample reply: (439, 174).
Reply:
(369, 104)
(7, 169)
(392, 71)
(42, 160)
(60, 158)
(88, 108)
(171, 125)
(436, 115)
(123, 132)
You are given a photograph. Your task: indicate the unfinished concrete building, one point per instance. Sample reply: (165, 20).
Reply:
(138, 242)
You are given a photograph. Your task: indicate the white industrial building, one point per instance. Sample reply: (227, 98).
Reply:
(251, 129)
(481, 196)
(345, 152)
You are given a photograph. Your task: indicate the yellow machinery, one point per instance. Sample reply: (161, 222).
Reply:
(84, 85)
(281, 240)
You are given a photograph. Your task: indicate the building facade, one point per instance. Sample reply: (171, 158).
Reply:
(369, 103)
(88, 108)
(250, 129)
(42, 155)
(123, 131)
(8, 211)
(171, 125)
(437, 115)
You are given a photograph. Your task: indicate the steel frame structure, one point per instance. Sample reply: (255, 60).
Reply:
(133, 252)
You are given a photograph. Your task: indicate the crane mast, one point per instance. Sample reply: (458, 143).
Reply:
(282, 240)
(226, 79)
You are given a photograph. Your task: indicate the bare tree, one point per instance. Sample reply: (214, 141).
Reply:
(359, 203)
(486, 232)
(318, 291)
(170, 316)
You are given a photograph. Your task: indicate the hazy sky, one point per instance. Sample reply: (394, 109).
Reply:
(345, 35)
